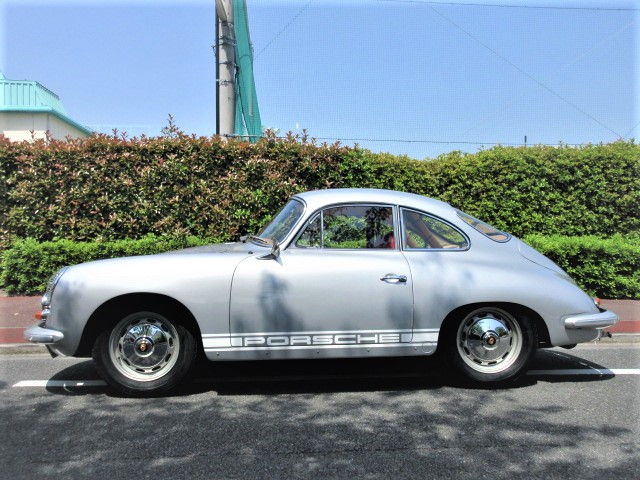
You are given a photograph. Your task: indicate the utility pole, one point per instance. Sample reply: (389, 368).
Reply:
(225, 69)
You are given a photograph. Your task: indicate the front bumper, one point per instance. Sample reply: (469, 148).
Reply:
(602, 319)
(37, 334)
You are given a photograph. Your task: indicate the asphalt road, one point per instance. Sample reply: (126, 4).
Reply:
(577, 415)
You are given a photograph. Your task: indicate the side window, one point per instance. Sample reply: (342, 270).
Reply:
(350, 227)
(423, 231)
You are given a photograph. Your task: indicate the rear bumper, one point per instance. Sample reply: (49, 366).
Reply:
(41, 335)
(602, 319)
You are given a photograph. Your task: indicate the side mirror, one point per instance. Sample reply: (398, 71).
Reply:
(274, 254)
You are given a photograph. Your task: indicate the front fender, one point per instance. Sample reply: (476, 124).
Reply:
(200, 282)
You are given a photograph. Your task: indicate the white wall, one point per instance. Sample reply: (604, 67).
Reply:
(17, 126)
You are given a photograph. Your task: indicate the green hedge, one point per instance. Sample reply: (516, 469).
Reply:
(28, 264)
(591, 190)
(106, 188)
(607, 268)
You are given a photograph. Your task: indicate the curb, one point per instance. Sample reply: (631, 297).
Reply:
(23, 349)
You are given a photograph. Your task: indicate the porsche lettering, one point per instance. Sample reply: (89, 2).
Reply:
(309, 340)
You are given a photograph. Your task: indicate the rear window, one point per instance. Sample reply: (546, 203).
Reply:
(484, 228)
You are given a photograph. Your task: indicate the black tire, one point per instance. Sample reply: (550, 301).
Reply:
(145, 354)
(490, 345)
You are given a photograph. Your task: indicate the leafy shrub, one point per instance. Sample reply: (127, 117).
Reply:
(608, 268)
(590, 190)
(28, 264)
(105, 188)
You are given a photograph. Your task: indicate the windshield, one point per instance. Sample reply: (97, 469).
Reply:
(282, 224)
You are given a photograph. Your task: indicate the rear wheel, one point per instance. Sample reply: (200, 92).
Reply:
(145, 353)
(493, 345)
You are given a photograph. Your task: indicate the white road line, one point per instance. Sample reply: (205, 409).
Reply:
(61, 383)
(534, 373)
(585, 371)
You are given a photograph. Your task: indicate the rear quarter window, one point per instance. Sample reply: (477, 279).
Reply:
(484, 228)
(422, 231)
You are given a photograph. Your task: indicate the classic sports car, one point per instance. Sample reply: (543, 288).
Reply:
(337, 273)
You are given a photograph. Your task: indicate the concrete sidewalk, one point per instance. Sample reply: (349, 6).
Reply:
(629, 313)
(17, 313)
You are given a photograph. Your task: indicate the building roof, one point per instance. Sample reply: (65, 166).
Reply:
(28, 96)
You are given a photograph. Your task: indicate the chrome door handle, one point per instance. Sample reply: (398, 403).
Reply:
(393, 278)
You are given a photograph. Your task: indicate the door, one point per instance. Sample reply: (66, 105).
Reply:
(343, 282)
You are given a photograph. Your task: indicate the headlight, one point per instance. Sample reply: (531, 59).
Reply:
(53, 281)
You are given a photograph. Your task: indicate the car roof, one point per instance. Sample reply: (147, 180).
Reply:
(320, 198)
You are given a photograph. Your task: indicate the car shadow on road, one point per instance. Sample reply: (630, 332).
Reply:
(279, 377)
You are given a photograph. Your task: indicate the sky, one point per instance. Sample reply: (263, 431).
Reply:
(409, 77)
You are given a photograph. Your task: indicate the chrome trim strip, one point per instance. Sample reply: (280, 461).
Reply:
(301, 340)
(426, 337)
(316, 347)
(321, 332)
(217, 342)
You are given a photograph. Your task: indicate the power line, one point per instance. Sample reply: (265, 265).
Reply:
(501, 5)
(437, 142)
(632, 129)
(497, 112)
(291, 22)
(549, 89)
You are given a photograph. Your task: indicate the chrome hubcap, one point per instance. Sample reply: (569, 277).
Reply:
(144, 346)
(489, 340)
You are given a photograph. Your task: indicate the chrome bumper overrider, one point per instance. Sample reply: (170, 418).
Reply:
(37, 334)
(603, 319)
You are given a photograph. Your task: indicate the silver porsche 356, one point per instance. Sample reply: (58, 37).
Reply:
(336, 274)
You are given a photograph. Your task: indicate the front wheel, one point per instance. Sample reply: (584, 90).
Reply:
(493, 345)
(145, 353)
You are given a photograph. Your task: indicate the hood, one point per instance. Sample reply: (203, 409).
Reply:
(161, 273)
(232, 247)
